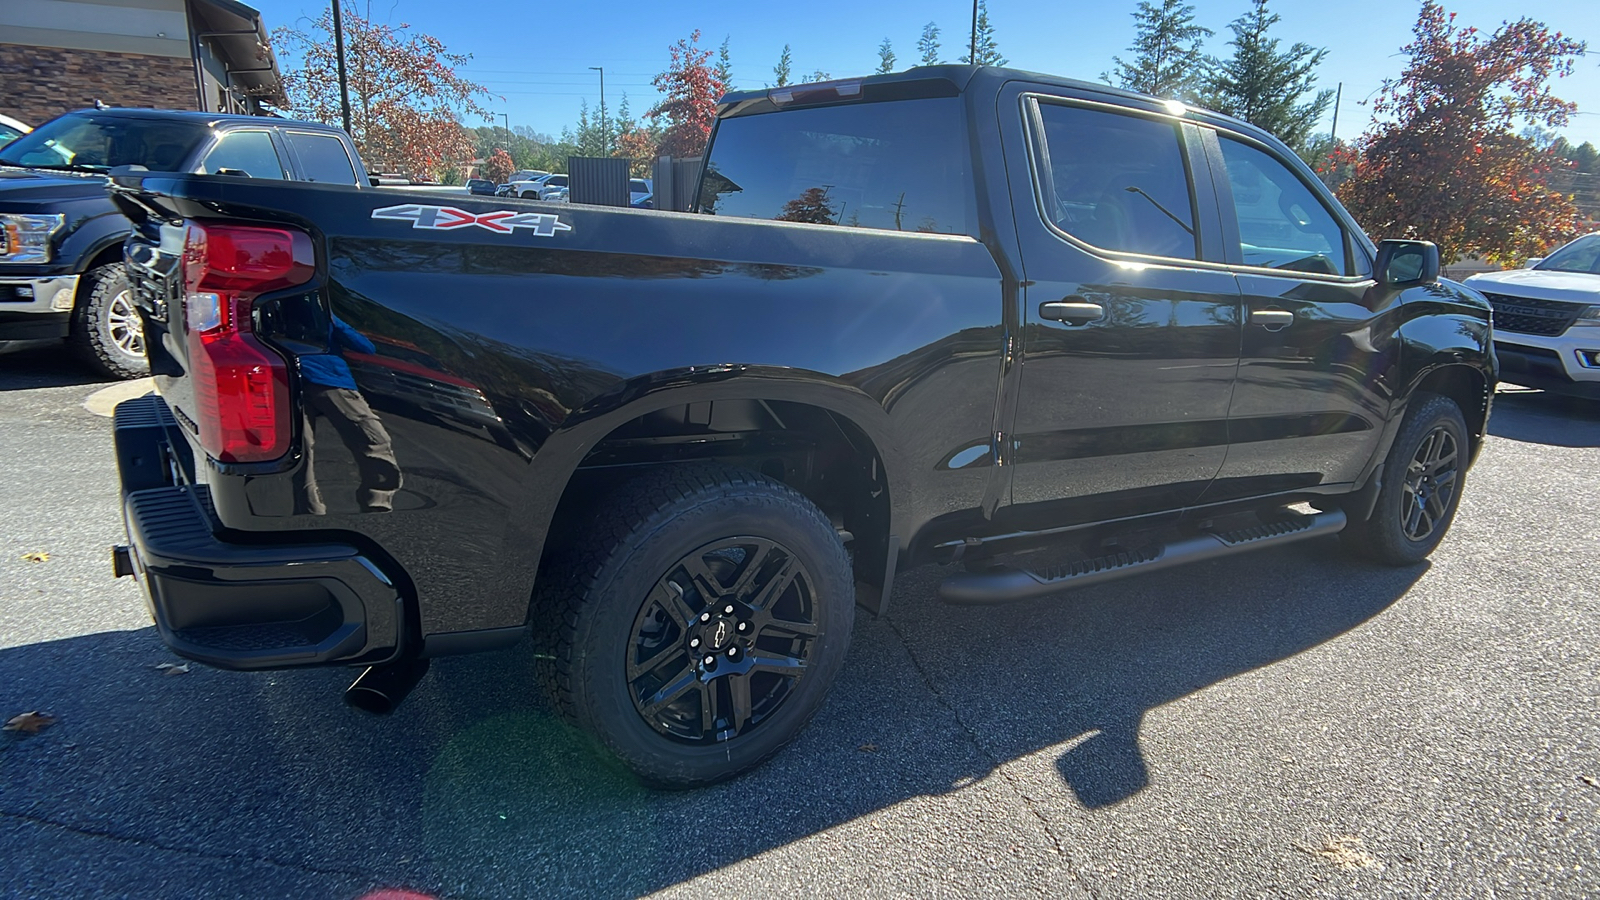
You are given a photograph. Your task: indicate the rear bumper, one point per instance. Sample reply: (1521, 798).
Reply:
(241, 605)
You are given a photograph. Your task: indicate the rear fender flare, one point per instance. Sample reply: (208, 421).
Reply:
(558, 459)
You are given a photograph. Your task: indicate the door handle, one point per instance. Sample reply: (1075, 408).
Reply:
(1073, 311)
(1272, 319)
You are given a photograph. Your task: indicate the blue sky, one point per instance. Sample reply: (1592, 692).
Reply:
(535, 58)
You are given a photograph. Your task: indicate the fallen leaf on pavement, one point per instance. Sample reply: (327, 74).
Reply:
(173, 668)
(29, 722)
(868, 748)
(1590, 780)
(1346, 852)
(36, 556)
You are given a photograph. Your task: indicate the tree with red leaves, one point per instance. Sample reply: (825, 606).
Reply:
(692, 87)
(812, 206)
(1442, 163)
(499, 166)
(406, 97)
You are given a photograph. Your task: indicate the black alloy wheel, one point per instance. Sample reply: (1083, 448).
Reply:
(1420, 487)
(1430, 484)
(695, 620)
(722, 640)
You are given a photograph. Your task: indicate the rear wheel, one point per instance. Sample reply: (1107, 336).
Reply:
(697, 625)
(1421, 490)
(106, 329)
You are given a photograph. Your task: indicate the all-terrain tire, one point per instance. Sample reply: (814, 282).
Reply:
(604, 594)
(1419, 495)
(107, 333)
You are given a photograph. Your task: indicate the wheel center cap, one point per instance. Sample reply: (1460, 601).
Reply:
(720, 632)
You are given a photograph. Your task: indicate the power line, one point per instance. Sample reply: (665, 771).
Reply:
(563, 72)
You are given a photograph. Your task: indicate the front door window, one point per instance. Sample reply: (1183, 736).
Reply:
(1282, 225)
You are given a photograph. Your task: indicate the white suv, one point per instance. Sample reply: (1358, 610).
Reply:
(1547, 319)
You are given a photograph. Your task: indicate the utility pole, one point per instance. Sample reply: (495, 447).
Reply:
(972, 55)
(604, 131)
(1333, 133)
(338, 51)
(507, 117)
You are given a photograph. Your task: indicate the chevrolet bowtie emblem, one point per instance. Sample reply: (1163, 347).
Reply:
(721, 635)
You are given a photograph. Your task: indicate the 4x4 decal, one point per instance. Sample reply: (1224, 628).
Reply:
(446, 218)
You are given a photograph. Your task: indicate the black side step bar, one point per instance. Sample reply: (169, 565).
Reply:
(1004, 585)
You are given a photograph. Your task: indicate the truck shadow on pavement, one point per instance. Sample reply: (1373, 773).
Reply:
(44, 367)
(1540, 417)
(267, 785)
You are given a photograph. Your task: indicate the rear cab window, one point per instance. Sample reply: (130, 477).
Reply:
(893, 166)
(248, 153)
(322, 157)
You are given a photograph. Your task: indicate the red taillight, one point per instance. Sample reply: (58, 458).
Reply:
(241, 387)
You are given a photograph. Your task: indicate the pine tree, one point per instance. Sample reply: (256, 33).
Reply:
(590, 137)
(988, 51)
(782, 69)
(1586, 158)
(1264, 86)
(928, 45)
(1167, 60)
(724, 67)
(885, 58)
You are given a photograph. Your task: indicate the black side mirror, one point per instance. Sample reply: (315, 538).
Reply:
(1408, 262)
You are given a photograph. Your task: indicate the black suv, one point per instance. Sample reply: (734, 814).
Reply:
(61, 237)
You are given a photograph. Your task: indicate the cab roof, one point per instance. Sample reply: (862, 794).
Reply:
(954, 80)
(204, 117)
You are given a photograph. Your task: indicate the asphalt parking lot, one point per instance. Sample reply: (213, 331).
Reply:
(1289, 723)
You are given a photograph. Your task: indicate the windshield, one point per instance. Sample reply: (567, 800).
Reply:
(1582, 255)
(99, 142)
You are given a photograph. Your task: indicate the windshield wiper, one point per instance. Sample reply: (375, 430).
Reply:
(61, 167)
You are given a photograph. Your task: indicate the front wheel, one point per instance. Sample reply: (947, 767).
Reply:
(106, 329)
(697, 625)
(1422, 479)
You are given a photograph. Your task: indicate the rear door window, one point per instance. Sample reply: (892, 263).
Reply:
(244, 153)
(899, 166)
(322, 158)
(1116, 181)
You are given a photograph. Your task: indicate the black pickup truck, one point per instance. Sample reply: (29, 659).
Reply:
(953, 314)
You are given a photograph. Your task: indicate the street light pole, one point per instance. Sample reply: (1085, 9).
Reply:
(338, 51)
(605, 133)
(1333, 132)
(507, 117)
